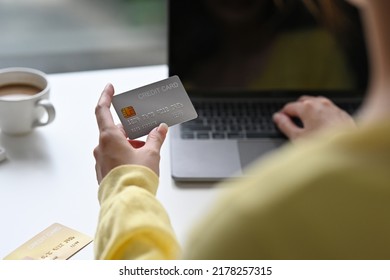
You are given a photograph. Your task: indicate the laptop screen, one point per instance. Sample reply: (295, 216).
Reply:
(267, 45)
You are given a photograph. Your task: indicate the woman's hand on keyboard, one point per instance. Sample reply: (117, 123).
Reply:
(315, 114)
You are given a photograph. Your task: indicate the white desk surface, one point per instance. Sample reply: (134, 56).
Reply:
(49, 175)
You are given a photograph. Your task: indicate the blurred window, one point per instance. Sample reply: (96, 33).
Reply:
(77, 35)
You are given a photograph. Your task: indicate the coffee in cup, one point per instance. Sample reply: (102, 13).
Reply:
(18, 91)
(24, 100)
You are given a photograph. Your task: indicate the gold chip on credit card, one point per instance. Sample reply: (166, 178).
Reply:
(128, 112)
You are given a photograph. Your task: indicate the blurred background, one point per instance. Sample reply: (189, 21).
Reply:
(76, 35)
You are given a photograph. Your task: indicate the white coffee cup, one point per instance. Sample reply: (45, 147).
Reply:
(24, 100)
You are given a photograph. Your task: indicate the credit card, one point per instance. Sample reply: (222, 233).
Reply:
(57, 242)
(142, 109)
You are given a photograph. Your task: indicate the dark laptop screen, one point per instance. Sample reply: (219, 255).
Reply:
(261, 45)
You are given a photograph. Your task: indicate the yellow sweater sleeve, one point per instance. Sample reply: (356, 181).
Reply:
(132, 223)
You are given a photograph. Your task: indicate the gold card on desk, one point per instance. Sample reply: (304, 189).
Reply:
(57, 242)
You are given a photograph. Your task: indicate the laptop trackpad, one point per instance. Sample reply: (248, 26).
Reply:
(250, 150)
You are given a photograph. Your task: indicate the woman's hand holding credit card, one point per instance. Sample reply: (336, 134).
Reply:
(142, 109)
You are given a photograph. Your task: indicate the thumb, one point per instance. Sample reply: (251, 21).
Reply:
(156, 137)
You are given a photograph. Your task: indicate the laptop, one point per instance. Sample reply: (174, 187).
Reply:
(242, 60)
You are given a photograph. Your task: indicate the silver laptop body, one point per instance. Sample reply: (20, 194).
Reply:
(226, 53)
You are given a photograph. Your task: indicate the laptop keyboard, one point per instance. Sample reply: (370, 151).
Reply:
(232, 120)
(236, 120)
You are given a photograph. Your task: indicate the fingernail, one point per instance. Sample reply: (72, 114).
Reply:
(107, 86)
(162, 127)
(276, 115)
